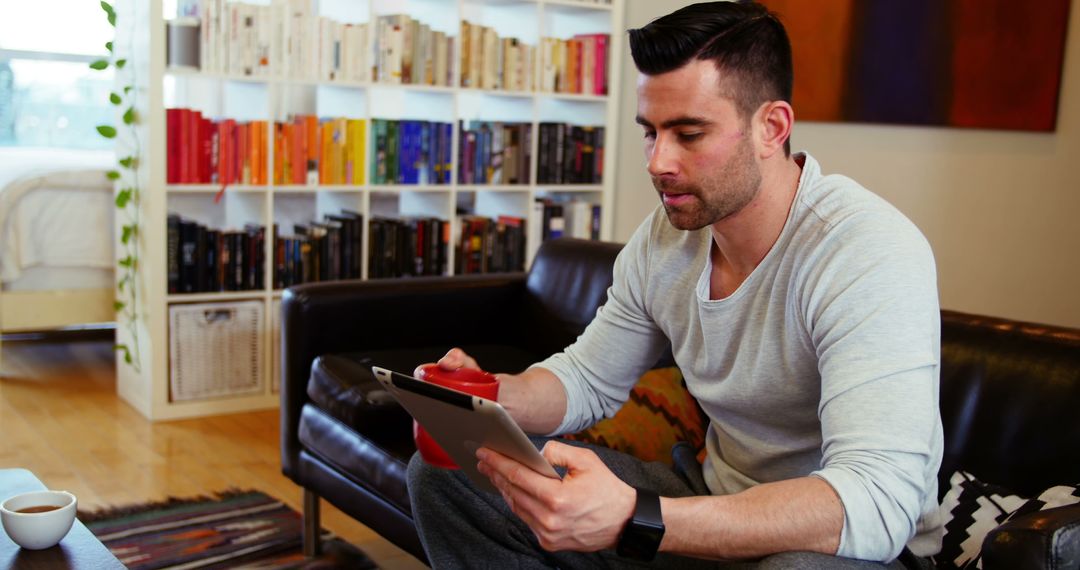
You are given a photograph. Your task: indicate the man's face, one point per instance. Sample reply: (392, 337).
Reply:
(700, 152)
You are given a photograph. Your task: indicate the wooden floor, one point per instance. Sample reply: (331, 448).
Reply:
(60, 418)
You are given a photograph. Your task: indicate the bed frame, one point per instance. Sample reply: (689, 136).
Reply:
(31, 311)
(50, 309)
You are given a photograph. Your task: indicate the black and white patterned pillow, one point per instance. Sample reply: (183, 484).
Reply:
(971, 509)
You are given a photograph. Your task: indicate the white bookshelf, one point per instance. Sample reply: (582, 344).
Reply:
(275, 97)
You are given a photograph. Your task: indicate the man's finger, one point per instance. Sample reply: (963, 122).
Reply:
(562, 455)
(456, 358)
(519, 475)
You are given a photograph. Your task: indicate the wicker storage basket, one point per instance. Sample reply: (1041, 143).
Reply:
(216, 350)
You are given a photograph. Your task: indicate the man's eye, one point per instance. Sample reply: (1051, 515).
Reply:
(689, 137)
(650, 135)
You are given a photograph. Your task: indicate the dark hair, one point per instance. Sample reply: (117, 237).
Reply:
(743, 39)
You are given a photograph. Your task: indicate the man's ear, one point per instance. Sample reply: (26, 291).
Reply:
(773, 123)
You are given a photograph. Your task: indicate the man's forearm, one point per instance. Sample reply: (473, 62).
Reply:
(535, 399)
(802, 514)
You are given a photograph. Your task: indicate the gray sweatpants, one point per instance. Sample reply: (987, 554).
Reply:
(463, 527)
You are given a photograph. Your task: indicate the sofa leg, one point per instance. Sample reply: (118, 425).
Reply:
(312, 540)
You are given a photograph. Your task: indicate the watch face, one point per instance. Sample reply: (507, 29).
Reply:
(640, 540)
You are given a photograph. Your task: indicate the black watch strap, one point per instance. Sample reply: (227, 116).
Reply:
(641, 537)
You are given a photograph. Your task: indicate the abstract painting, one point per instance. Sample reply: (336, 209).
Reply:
(993, 64)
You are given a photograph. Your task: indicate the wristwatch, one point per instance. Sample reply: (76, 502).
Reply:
(640, 539)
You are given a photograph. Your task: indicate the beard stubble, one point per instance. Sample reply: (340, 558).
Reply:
(718, 195)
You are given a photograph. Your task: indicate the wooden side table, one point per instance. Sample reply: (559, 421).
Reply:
(79, 549)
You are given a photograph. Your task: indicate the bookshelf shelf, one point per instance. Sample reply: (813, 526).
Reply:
(280, 189)
(188, 73)
(495, 188)
(413, 87)
(221, 296)
(497, 92)
(579, 4)
(347, 188)
(232, 120)
(570, 188)
(574, 97)
(214, 189)
(398, 188)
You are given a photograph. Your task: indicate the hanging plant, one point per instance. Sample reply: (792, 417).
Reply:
(126, 175)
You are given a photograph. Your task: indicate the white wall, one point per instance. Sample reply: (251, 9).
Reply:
(1001, 209)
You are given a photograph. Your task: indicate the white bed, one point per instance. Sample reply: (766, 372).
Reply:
(56, 242)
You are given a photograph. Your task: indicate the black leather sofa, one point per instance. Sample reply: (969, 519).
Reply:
(1010, 391)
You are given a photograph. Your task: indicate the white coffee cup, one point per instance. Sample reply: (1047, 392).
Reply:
(38, 519)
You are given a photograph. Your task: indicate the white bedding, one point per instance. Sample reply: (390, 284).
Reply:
(55, 220)
(64, 278)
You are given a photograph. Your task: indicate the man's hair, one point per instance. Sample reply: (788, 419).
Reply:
(745, 41)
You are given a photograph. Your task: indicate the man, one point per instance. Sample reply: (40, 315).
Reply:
(802, 311)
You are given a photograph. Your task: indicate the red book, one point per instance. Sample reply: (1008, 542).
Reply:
(222, 154)
(601, 80)
(194, 120)
(183, 146)
(172, 146)
(206, 149)
(228, 151)
(215, 150)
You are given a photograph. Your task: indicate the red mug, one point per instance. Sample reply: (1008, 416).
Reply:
(468, 380)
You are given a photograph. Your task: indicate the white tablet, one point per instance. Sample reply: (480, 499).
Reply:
(462, 423)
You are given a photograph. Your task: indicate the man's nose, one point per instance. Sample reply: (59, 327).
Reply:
(661, 158)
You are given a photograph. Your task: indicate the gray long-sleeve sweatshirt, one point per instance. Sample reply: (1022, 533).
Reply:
(824, 362)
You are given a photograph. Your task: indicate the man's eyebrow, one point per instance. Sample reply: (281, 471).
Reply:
(684, 121)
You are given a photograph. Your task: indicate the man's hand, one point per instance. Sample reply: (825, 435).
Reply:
(453, 360)
(585, 511)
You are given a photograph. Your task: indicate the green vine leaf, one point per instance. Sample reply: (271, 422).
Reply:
(125, 302)
(122, 199)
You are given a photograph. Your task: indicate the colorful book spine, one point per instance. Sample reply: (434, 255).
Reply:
(200, 150)
(410, 152)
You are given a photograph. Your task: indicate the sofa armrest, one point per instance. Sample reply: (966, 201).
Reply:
(349, 316)
(1043, 539)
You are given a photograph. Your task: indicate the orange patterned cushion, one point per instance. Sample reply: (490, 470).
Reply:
(659, 414)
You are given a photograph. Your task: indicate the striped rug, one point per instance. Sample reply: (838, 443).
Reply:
(236, 529)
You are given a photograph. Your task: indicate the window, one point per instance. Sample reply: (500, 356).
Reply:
(48, 94)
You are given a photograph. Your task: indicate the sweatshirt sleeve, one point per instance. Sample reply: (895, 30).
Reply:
(875, 326)
(601, 367)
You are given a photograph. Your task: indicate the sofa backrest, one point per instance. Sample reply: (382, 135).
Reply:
(1010, 391)
(1010, 401)
(567, 282)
